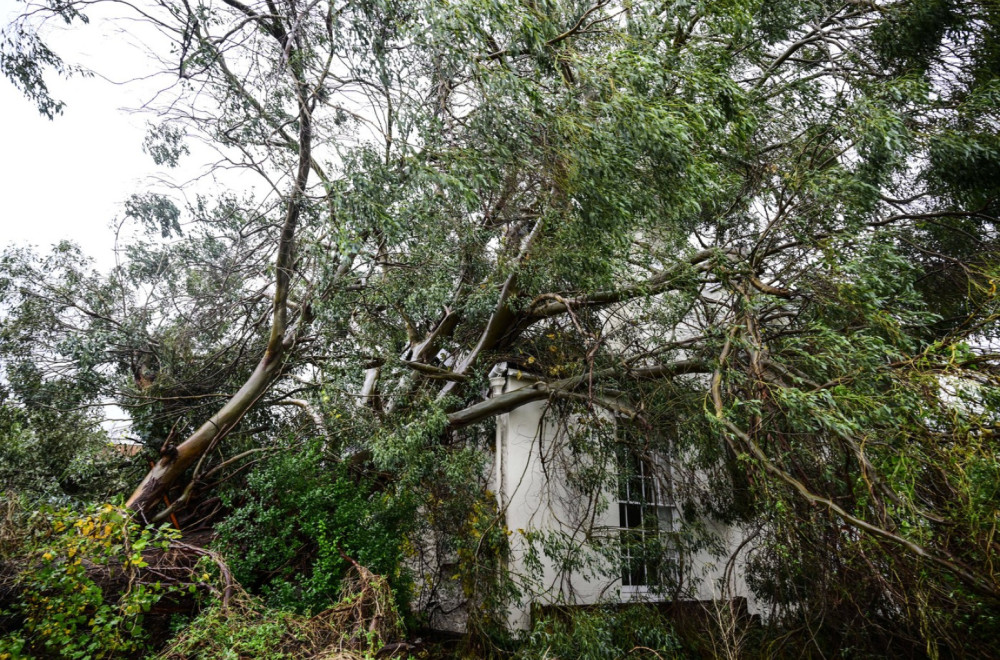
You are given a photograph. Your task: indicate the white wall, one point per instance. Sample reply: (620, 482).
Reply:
(535, 499)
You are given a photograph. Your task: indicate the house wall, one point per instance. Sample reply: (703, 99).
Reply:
(536, 501)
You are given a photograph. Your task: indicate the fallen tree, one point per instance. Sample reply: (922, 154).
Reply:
(772, 227)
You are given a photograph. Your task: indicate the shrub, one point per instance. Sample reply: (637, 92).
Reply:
(291, 527)
(358, 626)
(44, 457)
(81, 590)
(603, 633)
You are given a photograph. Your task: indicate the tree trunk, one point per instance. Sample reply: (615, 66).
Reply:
(175, 460)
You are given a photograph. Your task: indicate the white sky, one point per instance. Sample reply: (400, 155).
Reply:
(67, 178)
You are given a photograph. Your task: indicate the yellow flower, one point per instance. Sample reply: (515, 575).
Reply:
(48, 556)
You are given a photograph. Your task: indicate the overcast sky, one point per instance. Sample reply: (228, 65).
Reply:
(67, 178)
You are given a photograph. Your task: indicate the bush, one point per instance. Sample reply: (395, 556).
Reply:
(80, 588)
(52, 459)
(603, 633)
(244, 629)
(290, 528)
(359, 626)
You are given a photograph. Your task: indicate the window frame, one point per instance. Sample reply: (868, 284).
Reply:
(644, 495)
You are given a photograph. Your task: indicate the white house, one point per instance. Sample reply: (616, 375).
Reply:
(571, 546)
(575, 544)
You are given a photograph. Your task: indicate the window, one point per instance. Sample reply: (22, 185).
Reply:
(646, 518)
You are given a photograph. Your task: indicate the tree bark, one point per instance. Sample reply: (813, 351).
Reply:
(175, 461)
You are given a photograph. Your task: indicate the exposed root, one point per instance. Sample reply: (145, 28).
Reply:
(365, 618)
(182, 549)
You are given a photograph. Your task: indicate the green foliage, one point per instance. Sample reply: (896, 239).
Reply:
(357, 627)
(24, 58)
(155, 212)
(481, 546)
(165, 145)
(290, 526)
(602, 633)
(246, 630)
(913, 37)
(765, 230)
(40, 459)
(66, 612)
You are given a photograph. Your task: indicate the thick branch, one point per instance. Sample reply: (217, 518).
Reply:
(173, 464)
(543, 390)
(546, 307)
(286, 245)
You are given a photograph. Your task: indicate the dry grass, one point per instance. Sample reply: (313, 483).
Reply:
(364, 621)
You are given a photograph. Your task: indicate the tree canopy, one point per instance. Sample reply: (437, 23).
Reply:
(766, 232)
